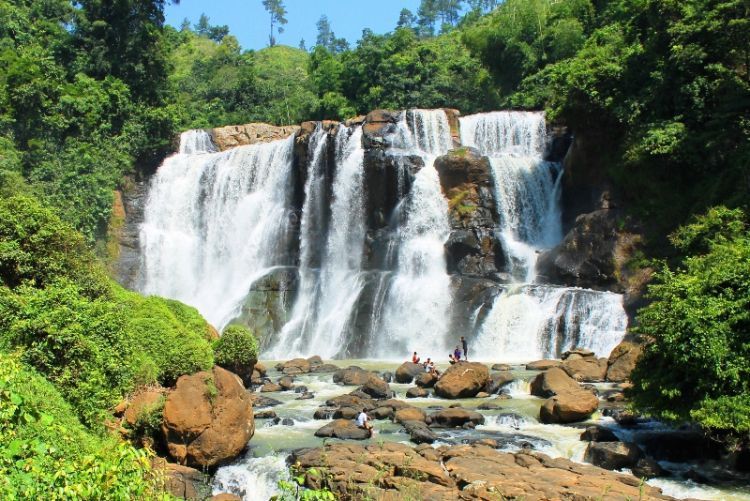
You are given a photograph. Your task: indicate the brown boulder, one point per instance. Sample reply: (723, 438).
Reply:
(568, 407)
(345, 429)
(455, 418)
(416, 392)
(224, 496)
(462, 380)
(208, 418)
(351, 376)
(182, 482)
(501, 367)
(612, 455)
(622, 361)
(542, 365)
(553, 382)
(270, 387)
(407, 371)
(376, 387)
(498, 380)
(409, 414)
(587, 369)
(426, 380)
(294, 366)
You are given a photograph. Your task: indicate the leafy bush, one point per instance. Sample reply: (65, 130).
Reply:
(237, 349)
(45, 452)
(697, 363)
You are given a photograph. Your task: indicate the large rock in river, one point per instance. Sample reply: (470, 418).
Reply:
(462, 380)
(569, 407)
(613, 455)
(553, 382)
(345, 429)
(208, 418)
(456, 417)
(622, 361)
(407, 371)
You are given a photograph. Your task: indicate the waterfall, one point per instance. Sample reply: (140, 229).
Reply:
(526, 186)
(215, 222)
(252, 479)
(328, 294)
(531, 322)
(415, 315)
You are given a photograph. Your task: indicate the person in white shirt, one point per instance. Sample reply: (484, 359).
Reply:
(363, 421)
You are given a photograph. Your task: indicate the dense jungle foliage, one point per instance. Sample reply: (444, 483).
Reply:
(92, 93)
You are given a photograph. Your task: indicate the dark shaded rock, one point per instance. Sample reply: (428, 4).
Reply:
(419, 432)
(622, 361)
(381, 413)
(265, 414)
(286, 383)
(324, 368)
(647, 468)
(679, 446)
(598, 434)
(260, 401)
(343, 428)
(346, 413)
(497, 381)
(387, 376)
(487, 406)
(426, 380)
(306, 396)
(612, 455)
(324, 412)
(300, 389)
(501, 367)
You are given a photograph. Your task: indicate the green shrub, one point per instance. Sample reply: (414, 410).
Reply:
(237, 349)
(45, 452)
(697, 363)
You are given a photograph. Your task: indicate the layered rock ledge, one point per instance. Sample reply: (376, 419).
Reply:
(397, 471)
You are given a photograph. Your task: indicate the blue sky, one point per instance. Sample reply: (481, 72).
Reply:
(249, 22)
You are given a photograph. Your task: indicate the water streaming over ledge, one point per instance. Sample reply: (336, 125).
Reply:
(218, 222)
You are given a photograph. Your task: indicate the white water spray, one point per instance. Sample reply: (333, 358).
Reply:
(215, 223)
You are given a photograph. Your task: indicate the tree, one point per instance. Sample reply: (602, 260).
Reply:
(696, 365)
(406, 19)
(278, 12)
(215, 33)
(302, 45)
(327, 38)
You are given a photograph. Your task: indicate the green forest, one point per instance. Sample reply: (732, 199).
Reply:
(93, 93)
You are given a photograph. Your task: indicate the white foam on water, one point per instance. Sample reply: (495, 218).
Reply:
(252, 479)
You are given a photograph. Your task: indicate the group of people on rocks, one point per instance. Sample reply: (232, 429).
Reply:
(460, 353)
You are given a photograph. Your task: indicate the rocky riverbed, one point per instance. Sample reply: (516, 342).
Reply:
(499, 442)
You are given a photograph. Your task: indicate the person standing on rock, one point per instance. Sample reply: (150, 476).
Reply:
(465, 346)
(363, 421)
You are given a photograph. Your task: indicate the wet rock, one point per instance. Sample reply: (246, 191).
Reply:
(315, 360)
(483, 394)
(208, 418)
(394, 404)
(542, 365)
(578, 353)
(306, 396)
(351, 401)
(407, 371)
(324, 368)
(293, 367)
(622, 361)
(419, 432)
(598, 434)
(417, 392)
(351, 376)
(497, 381)
(181, 481)
(568, 407)
(615, 396)
(324, 412)
(501, 367)
(260, 401)
(268, 414)
(409, 414)
(387, 376)
(487, 442)
(679, 446)
(300, 389)
(286, 383)
(283, 421)
(343, 428)
(381, 413)
(376, 387)
(462, 380)
(456, 417)
(426, 380)
(487, 406)
(553, 382)
(270, 387)
(261, 369)
(612, 455)
(586, 369)
(647, 468)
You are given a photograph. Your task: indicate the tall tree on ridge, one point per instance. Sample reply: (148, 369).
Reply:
(278, 12)
(327, 38)
(406, 19)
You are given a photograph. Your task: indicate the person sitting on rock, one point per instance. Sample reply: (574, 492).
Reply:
(426, 365)
(433, 370)
(457, 354)
(363, 421)
(451, 358)
(415, 358)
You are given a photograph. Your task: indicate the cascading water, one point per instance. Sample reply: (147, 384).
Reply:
(415, 315)
(526, 186)
(328, 294)
(531, 322)
(215, 223)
